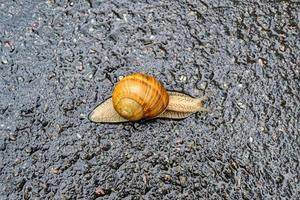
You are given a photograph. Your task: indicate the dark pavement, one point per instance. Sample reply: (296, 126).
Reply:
(59, 59)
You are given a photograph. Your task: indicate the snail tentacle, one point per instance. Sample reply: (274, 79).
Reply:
(105, 113)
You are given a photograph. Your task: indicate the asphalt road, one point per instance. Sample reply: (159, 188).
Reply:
(59, 59)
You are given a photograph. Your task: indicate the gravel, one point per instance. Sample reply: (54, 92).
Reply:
(59, 59)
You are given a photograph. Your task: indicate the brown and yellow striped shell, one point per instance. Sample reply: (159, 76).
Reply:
(139, 96)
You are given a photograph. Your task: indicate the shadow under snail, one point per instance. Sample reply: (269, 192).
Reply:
(139, 96)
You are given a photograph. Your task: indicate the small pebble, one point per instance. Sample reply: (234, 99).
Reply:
(79, 67)
(262, 62)
(55, 170)
(225, 86)
(82, 116)
(91, 29)
(28, 150)
(250, 139)
(64, 197)
(167, 177)
(99, 192)
(79, 136)
(183, 180)
(182, 78)
(145, 179)
(282, 47)
(202, 86)
(125, 17)
(12, 138)
(106, 146)
(4, 60)
(179, 141)
(18, 161)
(241, 105)
(93, 21)
(46, 107)
(87, 176)
(2, 145)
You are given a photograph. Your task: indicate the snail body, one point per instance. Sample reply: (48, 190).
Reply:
(139, 96)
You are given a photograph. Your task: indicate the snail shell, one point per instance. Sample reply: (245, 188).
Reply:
(140, 96)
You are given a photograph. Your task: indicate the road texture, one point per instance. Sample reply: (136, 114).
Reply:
(59, 59)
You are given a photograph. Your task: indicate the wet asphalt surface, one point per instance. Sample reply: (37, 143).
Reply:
(59, 59)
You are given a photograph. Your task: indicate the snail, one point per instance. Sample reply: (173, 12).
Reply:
(140, 96)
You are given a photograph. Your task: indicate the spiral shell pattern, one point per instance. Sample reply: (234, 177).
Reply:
(145, 90)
